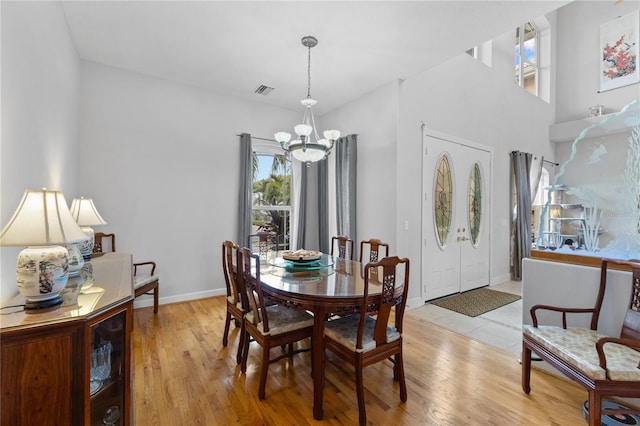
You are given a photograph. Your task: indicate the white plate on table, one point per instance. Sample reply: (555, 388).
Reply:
(301, 255)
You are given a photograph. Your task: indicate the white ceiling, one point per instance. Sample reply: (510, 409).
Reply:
(232, 47)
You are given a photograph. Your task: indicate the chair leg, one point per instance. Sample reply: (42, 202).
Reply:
(526, 368)
(155, 299)
(245, 354)
(362, 413)
(263, 372)
(241, 344)
(595, 407)
(225, 334)
(399, 367)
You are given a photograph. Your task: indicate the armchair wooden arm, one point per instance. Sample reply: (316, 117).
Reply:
(635, 344)
(564, 311)
(150, 263)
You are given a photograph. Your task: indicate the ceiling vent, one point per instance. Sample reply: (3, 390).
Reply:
(263, 90)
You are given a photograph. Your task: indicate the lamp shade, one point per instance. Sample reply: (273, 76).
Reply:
(310, 153)
(85, 213)
(42, 218)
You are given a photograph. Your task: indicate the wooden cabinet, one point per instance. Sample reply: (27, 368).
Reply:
(48, 374)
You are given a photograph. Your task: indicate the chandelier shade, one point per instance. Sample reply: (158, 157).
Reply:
(308, 147)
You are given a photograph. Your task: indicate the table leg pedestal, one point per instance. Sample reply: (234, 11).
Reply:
(318, 364)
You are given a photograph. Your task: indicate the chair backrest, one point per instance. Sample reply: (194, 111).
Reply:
(103, 243)
(631, 324)
(229, 267)
(250, 270)
(395, 287)
(374, 245)
(345, 246)
(262, 243)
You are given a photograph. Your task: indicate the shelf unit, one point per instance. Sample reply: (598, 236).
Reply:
(605, 124)
(45, 371)
(560, 226)
(560, 217)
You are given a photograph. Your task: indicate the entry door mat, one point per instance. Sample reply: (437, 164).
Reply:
(476, 302)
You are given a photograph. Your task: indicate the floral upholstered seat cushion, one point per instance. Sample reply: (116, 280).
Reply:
(345, 331)
(283, 319)
(142, 279)
(577, 347)
(238, 304)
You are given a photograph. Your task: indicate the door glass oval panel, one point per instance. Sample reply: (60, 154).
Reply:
(474, 204)
(442, 199)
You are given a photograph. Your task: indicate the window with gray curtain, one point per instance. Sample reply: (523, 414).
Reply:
(521, 211)
(346, 167)
(323, 207)
(245, 191)
(301, 213)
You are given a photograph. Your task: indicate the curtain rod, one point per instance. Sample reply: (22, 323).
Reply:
(262, 139)
(547, 161)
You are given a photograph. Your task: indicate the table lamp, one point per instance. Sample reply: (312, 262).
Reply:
(42, 222)
(86, 215)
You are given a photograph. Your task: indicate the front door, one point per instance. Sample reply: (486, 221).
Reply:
(455, 219)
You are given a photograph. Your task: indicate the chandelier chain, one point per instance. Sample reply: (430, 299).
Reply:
(305, 147)
(309, 73)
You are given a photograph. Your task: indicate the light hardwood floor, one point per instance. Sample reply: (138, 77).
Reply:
(184, 376)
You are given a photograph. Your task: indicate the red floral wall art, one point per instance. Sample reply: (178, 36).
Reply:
(619, 52)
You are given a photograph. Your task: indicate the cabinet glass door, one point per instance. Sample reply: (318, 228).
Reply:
(107, 369)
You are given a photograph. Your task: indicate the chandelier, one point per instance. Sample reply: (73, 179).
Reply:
(308, 147)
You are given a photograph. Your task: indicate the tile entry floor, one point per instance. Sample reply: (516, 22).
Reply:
(500, 327)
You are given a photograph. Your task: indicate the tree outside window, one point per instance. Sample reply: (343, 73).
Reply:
(272, 196)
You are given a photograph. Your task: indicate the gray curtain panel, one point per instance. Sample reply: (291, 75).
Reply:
(302, 209)
(244, 197)
(323, 206)
(521, 211)
(346, 167)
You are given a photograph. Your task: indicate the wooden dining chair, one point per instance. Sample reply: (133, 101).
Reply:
(236, 294)
(374, 247)
(103, 243)
(345, 246)
(262, 243)
(362, 339)
(604, 365)
(270, 326)
(145, 280)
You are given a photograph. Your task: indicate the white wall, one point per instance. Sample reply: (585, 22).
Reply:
(161, 162)
(40, 80)
(578, 59)
(374, 118)
(466, 99)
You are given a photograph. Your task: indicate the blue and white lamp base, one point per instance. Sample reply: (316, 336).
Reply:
(41, 273)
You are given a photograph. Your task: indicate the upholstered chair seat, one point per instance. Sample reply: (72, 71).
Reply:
(577, 347)
(283, 320)
(345, 331)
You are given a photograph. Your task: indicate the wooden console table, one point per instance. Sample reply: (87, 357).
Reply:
(45, 371)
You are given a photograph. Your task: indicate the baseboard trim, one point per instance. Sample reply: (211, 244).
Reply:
(145, 301)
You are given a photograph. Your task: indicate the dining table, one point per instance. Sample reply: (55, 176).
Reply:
(326, 287)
